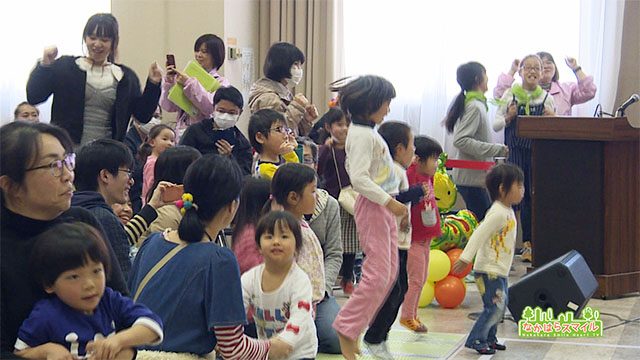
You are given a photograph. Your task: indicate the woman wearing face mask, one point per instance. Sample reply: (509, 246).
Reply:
(219, 135)
(209, 53)
(94, 98)
(282, 71)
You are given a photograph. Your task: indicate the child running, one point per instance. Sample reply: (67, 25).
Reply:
(492, 244)
(366, 100)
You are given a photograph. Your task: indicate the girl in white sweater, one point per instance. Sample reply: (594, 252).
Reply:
(492, 244)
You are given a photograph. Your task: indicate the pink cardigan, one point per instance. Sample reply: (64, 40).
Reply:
(198, 96)
(245, 248)
(148, 176)
(565, 95)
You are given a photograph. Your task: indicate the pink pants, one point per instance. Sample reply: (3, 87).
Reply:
(378, 234)
(417, 265)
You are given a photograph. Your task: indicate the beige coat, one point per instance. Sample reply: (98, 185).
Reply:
(169, 217)
(268, 94)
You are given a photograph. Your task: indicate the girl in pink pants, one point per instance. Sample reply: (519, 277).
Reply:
(370, 166)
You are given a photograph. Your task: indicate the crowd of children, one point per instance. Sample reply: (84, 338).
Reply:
(294, 229)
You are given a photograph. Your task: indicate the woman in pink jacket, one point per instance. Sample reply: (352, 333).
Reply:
(565, 95)
(209, 53)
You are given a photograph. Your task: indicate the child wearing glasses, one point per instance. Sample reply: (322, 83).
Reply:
(273, 141)
(527, 99)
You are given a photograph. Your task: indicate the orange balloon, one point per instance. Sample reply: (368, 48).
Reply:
(454, 255)
(450, 292)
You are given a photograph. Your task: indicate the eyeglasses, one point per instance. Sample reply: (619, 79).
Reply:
(282, 129)
(529, 68)
(56, 166)
(308, 160)
(127, 171)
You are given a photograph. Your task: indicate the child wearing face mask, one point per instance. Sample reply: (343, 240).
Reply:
(531, 100)
(219, 134)
(282, 72)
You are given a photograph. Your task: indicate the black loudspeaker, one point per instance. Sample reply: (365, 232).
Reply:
(564, 284)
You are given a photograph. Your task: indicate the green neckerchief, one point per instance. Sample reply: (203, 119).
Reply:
(475, 95)
(524, 97)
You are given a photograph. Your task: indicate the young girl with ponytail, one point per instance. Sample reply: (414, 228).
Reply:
(191, 282)
(467, 120)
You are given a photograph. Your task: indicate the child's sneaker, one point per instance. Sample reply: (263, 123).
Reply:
(497, 346)
(414, 325)
(379, 351)
(486, 351)
(347, 288)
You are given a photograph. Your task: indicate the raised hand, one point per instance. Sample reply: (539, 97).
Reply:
(181, 78)
(155, 73)
(572, 63)
(49, 55)
(515, 65)
(301, 99)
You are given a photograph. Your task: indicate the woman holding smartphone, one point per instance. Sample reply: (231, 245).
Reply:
(93, 97)
(209, 53)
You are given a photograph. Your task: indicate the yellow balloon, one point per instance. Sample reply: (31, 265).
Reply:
(439, 266)
(427, 294)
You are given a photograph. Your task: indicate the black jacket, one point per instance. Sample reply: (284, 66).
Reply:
(67, 82)
(203, 137)
(19, 292)
(113, 229)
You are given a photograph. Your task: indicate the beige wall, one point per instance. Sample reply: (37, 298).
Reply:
(242, 24)
(629, 78)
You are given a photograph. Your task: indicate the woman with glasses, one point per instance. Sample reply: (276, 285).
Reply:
(283, 71)
(565, 95)
(36, 182)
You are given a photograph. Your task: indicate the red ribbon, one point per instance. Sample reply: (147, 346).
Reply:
(469, 164)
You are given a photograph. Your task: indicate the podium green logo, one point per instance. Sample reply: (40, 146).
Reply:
(539, 323)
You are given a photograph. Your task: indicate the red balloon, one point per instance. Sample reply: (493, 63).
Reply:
(454, 255)
(450, 292)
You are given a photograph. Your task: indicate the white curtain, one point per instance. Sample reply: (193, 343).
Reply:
(600, 42)
(27, 28)
(419, 45)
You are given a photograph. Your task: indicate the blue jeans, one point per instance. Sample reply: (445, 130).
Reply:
(326, 313)
(477, 200)
(494, 292)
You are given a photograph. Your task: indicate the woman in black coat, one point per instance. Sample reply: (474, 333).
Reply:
(94, 97)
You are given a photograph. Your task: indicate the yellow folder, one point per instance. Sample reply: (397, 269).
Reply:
(208, 82)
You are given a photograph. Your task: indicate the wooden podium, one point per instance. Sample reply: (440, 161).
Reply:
(586, 196)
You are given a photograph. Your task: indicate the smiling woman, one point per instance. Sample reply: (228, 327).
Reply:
(94, 98)
(209, 52)
(36, 183)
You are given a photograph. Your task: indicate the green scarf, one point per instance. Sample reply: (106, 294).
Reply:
(524, 97)
(475, 95)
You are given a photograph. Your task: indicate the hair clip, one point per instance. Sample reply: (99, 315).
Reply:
(186, 203)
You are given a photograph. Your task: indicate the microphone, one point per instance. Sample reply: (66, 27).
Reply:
(634, 98)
